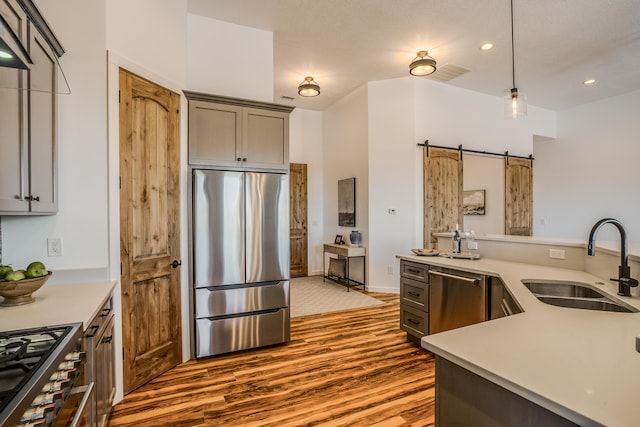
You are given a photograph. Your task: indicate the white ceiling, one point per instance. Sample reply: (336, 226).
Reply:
(345, 43)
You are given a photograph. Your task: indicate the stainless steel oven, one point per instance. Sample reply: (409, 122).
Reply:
(42, 380)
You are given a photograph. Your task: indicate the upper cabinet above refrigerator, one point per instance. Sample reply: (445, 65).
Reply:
(237, 134)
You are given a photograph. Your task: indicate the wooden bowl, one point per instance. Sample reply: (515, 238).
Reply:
(20, 292)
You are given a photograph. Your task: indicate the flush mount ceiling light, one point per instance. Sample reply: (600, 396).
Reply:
(422, 65)
(486, 46)
(515, 103)
(589, 82)
(309, 87)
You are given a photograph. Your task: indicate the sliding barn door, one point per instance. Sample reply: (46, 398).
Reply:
(518, 197)
(442, 192)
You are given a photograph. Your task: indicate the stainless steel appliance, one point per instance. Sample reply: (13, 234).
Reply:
(456, 299)
(42, 381)
(240, 225)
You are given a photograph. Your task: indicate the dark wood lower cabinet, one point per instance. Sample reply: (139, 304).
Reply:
(466, 399)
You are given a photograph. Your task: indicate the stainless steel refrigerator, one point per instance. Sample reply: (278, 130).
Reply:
(240, 225)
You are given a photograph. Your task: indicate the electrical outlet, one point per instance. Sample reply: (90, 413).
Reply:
(556, 253)
(472, 245)
(389, 269)
(54, 246)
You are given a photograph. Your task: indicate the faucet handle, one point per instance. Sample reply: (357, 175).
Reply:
(628, 281)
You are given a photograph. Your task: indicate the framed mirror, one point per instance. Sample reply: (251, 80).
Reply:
(347, 202)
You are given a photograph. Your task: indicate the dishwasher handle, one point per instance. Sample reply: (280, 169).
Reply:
(470, 280)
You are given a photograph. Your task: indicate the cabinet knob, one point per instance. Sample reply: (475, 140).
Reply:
(239, 159)
(176, 263)
(244, 159)
(33, 198)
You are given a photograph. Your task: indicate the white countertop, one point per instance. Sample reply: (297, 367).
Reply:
(581, 364)
(58, 304)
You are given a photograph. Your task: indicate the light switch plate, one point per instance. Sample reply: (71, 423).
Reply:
(556, 253)
(54, 246)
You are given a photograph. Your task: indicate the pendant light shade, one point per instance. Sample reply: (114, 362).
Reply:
(515, 103)
(309, 87)
(422, 65)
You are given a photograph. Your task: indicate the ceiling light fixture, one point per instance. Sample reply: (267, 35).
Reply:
(589, 82)
(422, 65)
(515, 103)
(309, 87)
(486, 46)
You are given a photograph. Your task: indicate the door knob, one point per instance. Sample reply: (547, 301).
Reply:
(176, 263)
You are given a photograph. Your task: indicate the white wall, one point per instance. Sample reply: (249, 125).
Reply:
(345, 156)
(590, 172)
(229, 59)
(393, 159)
(306, 146)
(485, 173)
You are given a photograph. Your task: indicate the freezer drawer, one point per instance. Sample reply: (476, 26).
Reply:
(216, 336)
(214, 302)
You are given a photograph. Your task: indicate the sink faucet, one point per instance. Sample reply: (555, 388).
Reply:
(625, 282)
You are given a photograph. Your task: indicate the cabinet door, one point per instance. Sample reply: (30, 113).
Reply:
(13, 129)
(14, 154)
(214, 134)
(265, 139)
(42, 128)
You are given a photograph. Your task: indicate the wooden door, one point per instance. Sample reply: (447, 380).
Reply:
(149, 229)
(442, 192)
(298, 219)
(518, 197)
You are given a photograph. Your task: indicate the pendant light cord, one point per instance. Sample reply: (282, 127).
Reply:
(513, 60)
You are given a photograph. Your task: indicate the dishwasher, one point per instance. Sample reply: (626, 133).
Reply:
(456, 299)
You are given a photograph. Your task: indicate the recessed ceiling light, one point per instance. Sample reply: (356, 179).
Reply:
(486, 46)
(589, 82)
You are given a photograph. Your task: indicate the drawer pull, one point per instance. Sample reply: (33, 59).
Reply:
(413, 270)
(415, 322)
(413, 294)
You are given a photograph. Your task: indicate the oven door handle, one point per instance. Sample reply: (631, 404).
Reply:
(87, 390)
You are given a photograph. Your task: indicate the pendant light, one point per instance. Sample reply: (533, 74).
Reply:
(422, 64)
(515, 103)
(308, 87)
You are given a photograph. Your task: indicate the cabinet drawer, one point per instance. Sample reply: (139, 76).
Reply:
(414, 271)
(414, 322)
(414, 293)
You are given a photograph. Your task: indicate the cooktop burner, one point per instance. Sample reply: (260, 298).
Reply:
(22, 353)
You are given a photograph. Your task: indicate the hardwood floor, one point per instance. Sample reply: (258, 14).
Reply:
(349, 368)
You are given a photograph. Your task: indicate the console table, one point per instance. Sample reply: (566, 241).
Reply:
(347, 252)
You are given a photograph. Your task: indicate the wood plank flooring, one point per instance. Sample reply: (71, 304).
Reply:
(349, 368)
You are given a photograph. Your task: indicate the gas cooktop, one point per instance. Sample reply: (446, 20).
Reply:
(28, 358)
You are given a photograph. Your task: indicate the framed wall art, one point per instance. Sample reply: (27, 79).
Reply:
(473, 202)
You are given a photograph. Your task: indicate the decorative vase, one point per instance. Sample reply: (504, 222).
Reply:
(355, 237)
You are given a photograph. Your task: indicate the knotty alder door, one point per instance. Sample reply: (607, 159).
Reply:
(442, 192)
(518, 197)
(298, 220)
(149, 229)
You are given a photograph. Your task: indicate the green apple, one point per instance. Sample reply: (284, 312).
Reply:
(13, 276)
(36, 269)
(36, 264)
(4, 269)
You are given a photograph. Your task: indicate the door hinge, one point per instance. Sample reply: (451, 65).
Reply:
(121, 269)
(123, 354)
(118, 97)
(120, 181)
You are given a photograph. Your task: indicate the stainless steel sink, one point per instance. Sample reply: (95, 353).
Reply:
(562, 289)
(575, 295)
(586, 304)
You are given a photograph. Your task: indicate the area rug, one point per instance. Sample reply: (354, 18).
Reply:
(310, 295)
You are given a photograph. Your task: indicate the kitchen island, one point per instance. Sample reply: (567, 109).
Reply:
(579, 364)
